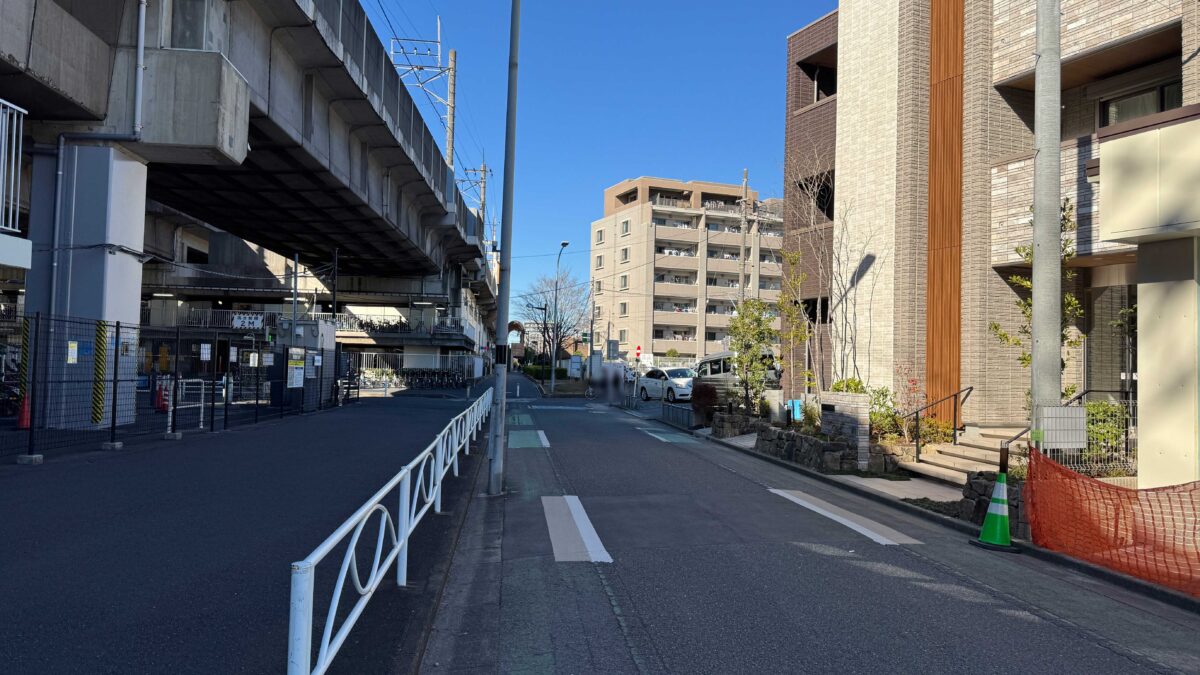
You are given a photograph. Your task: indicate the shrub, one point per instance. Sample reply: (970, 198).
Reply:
(850, 385)
(543, 372)
(811, 422)
(672, 353)
(885, 421)
(1105, 424)
(934, 430)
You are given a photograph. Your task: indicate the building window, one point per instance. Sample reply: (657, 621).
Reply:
(186, 21)
(625, 254)
(599, 261)
(624, 227)
(624, 282)
(596, 311)
(1139, 104)
(658, 333)
(623, 309)
(194, 256)
(709, 335)
(816, 309)
(599, 286)
(599, 236)
(659, 221)
(622, 335)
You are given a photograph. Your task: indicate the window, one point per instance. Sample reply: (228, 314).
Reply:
(816, 309)
(623, 309)
(625, 254)
(599, 286)
(1138, 104)
(622, 335)
(599, 236)
(658, 333)
(624, 227)
(194, 256)
(710, 335)
(659, 221)
(599, 261)
(596, 311)
(187, 19)
(624, 282)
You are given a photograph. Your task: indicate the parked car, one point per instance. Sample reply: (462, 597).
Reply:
(720, 371)
(673, 384)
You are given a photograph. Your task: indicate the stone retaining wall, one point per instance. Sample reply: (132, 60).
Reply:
(977, 495)
(848, 416)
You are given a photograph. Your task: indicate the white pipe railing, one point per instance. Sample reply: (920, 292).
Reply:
(12, 135)
(426, 473)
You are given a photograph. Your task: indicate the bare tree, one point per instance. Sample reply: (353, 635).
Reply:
(808, 190)
(574, 300)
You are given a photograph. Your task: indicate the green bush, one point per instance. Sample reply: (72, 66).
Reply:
(543, 372)
(885, 421)
(934, 430)
(810, 423)
(850, 385)
(1106, 424)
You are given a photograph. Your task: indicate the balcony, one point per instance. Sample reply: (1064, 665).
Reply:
(673, 318)
(770, 269)
(677, 262)
(688, 235)
(714, 346)
(769, 294)
(672, 203)
(723, 292)
(771, 240)
(722, 207)
(723, 238)
(682, 346)
(717, 320)
(669, 288)
(724, 265)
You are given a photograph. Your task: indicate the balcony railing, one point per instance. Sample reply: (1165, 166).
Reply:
(676, 252)
(256, 320)
(12, 133)
(677, 309)
(723, 207)
(670, 201)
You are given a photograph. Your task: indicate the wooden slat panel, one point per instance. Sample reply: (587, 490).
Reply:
(943, 330)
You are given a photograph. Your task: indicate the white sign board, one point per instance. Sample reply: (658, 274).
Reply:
(253, 359)
(268, 359)
(317, 360)
(233, 354)
(246, 320)
(295, 368)
(72, 352)
(206, 352)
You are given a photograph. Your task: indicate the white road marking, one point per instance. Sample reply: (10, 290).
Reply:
(877, 532)
(542, 436)
(571, 533)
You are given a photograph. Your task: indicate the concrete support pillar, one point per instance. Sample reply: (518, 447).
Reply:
(1168, 299)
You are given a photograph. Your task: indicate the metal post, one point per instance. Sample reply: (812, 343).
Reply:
(451, 81)
(112, 427)
(917, 433)
(402, 526)
(1046, 276)
(212, 396)
(174, 412)
(321, 381)
(257, 386)
(300, 618)
(227, 394)
(954, 427)
(496, 458)
(33, 381)
(557, 330)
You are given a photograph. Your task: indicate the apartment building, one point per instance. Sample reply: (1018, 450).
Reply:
(670, 260)
(932, 187)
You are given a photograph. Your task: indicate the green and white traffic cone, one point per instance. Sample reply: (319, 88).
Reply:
(995, 535)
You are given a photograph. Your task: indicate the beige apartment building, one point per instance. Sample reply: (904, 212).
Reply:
(928, 108)
(670, 260)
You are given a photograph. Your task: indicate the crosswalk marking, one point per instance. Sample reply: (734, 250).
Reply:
(877, 532)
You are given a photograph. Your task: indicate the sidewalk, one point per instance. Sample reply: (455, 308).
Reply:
(624, 545)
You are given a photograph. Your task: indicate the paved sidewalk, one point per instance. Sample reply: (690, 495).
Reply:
(174, 557)
(623, 545)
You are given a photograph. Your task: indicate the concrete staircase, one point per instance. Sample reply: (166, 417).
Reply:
(978, 449)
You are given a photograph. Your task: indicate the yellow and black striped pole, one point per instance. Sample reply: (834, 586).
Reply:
(23, 369)
(99, 367)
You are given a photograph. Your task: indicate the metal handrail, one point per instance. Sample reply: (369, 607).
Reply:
(1004, 448)
(425, 473)
(916, 415)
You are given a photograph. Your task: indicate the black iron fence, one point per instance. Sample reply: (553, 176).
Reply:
(79, 384)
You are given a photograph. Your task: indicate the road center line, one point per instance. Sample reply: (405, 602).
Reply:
(571, 533)
(542, 436)
(877, 532)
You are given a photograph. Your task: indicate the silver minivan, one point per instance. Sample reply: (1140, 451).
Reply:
(719, 370)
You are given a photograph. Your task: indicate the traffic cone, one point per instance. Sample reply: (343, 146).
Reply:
(995, 535)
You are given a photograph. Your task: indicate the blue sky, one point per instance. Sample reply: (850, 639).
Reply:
(611, 89)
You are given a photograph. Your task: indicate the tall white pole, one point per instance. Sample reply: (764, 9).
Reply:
(499, 406)
(1046, 348)
(452, 79)
(556, 327)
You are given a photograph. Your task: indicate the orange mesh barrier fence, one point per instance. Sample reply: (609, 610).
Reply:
(1151, 534)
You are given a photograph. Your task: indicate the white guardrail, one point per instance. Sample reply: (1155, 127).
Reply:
(426, 472)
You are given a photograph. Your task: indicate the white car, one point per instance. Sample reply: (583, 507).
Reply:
(673, 384)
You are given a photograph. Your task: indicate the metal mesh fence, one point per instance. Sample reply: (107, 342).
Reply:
(82, 384)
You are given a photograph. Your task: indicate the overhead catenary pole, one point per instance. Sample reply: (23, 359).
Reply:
(452, 76)
(499, 403)
(1046, 348)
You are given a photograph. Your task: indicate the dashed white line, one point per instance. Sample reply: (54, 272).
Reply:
(542, 437)
(571, 533)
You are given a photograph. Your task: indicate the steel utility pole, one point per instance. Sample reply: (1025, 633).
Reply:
(1046, 348)
(451, 78)
(557, 328)
(745, 224)
(499, 406)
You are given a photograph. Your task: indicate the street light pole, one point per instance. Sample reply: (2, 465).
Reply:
(499, 404)
(556, 329)
(542, 347)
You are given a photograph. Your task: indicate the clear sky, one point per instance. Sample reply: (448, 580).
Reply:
(607, 90)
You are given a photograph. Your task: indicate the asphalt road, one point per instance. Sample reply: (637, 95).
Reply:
(712, 572)
(174, 557)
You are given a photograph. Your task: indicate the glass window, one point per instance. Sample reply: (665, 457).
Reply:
(681, 372)
(624, 227)
(187, 24)
(622, 335)
(599, 236)
(624, 309)
(599, 286)
(624, 281)
(1146, 102)
(599, 261)
(625, 254)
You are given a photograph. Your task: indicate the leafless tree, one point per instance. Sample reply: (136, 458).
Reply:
(574, 300)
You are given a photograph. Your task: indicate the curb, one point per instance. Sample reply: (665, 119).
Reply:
(1145, 588)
